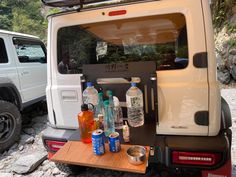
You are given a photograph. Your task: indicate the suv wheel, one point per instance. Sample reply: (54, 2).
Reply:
(10, 124)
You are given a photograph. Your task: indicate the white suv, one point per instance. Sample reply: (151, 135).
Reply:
(168, 45)
(23, 79)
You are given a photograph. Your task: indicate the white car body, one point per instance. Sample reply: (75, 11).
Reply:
(30, 78)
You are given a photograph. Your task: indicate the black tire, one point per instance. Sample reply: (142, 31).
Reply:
(10, 125)
(70, 169)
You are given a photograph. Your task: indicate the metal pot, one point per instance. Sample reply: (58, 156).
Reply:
(136, 155)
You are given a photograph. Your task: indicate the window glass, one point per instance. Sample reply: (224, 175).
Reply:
(30, 51)
(161, 38)
(3, 52)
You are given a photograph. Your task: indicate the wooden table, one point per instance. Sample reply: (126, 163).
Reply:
(78, 153)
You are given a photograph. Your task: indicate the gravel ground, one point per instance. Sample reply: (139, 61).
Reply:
(30, 143)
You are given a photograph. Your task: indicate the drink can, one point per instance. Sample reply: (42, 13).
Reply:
(98, 142)
(114, 142)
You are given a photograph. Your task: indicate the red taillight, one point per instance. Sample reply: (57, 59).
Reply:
(54, 145)
(118, 12)
(195, 158)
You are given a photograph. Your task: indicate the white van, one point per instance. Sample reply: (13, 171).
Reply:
(168, 45)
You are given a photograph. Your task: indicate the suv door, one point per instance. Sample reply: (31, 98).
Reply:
(31, 66)
(7, 63)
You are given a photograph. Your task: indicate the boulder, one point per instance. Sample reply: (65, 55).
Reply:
(224, 76)
(232, 51)
(233, 72)
(27, 163)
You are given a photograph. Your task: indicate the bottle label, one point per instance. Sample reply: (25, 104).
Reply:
(134, 101)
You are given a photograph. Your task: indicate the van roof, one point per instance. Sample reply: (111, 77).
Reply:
(17, 34)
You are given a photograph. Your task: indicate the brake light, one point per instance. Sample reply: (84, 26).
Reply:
(195, 158)
(54, 145)
(117, 12)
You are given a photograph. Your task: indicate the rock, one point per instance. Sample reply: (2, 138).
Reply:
(234, 59)
(55, 171)
(29, 131)
(2, 165)
(27, 163)
(23, 138)
(229, 62)
(224, 76)
(21, 148)
(48, 173)
(6, 174)
(37, 174)
(233, 72)
(232, 51)
(45, 162)
(29, 140)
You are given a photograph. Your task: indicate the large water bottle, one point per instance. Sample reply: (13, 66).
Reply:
(109, 125)
(90, 96)
(134, 101)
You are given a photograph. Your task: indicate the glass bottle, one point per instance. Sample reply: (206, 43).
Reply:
(109, 125)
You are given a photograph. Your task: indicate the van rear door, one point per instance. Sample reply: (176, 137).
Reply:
(168, 33)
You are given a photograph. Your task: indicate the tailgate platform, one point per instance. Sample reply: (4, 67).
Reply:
(78, 153)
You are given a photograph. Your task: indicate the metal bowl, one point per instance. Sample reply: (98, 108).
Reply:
(136, 155)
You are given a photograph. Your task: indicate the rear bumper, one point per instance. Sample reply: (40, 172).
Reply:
(163, 148)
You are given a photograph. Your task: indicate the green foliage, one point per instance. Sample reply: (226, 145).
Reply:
(232, 43)
(24, 16)
(221, 10)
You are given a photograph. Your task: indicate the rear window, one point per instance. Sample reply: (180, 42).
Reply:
(3, 52)
(161, 38)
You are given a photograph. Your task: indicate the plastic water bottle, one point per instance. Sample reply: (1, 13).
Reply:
(100, 111)
(118, 115)
(134, 101)
(90, 96)
(109, 125)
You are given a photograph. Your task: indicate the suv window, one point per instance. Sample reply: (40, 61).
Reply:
(161, 38)
(3, 52)
(29, 51)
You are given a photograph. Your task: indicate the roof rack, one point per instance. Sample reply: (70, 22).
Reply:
(69, 3)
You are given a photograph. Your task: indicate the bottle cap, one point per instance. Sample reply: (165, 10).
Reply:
(89, 84)
(133, 84)
(84, 107)
(106, 102)
(100, 94)
(109, 93)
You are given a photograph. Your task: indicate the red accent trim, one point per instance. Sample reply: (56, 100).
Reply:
(54, 145)
(50, 155)
(117, 12)
(224, 171)
(195, 158)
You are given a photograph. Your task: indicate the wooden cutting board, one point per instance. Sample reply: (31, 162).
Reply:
(78, 153)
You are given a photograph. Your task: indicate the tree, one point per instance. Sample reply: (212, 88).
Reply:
(24, 16)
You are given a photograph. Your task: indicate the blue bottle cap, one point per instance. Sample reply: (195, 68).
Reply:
(89, 84)
(133, 84)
